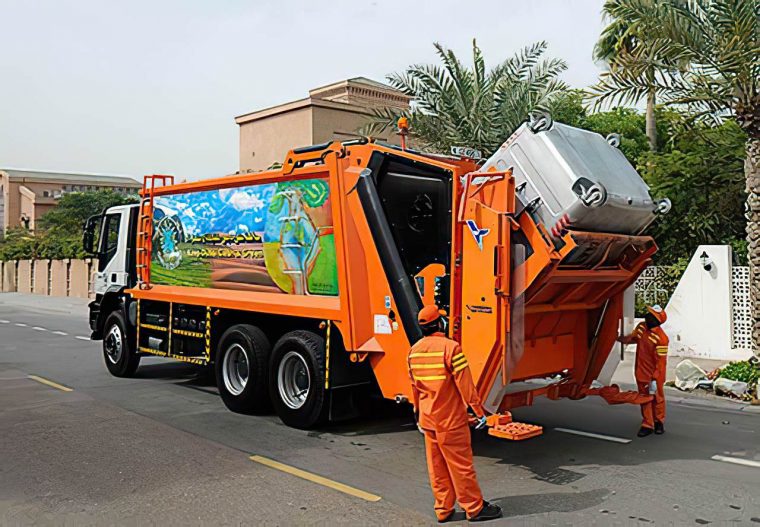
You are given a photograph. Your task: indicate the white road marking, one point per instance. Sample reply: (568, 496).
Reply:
(737, 461)
(21, 324)
(593, 435)
(60, 333)
(82, 338)
(39, 328)
(5, 321)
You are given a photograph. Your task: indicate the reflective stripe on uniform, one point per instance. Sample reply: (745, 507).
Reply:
(430, 378)
(458, 359)
(460, 366)
(430, 366)
(661, 350)
(426, 354)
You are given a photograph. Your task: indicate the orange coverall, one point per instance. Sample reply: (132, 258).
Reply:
(651, 364)
(443, 388)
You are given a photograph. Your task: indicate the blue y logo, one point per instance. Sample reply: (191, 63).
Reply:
(477, 233)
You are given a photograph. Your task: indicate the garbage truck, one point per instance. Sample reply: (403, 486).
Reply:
(299, 287)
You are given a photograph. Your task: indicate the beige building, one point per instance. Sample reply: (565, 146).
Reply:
(336, 111)
(25, 195)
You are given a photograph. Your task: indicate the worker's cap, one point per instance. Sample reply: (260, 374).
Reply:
(429, 314)
(658, 313)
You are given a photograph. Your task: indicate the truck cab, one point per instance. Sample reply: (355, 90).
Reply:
(110, 237)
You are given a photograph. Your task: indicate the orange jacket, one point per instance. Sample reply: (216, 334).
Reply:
(442, 383)
(651, 352)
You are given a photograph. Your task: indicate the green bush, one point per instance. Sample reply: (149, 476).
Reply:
(742, 371)
(60, 230)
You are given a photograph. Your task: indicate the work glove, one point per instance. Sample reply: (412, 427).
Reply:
(652, 387)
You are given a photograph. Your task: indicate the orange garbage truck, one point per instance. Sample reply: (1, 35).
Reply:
(300, 286)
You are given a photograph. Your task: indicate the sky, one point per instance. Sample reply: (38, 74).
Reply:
(138, 87)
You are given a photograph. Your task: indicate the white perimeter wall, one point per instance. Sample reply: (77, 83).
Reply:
(700, 312)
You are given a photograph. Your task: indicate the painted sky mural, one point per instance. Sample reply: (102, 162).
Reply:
(274, 237)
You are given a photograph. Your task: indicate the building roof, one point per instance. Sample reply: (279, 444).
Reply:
(32, 176)
(358, 94)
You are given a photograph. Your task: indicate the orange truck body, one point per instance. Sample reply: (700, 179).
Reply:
(524, 305)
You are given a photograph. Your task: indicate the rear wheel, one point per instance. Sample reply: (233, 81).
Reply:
(241, 369)
(121, 359)
(296, 379)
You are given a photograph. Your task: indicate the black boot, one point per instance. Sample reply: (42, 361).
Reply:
(659, 428)
(644, 431)
(448, 518)
(488, 512)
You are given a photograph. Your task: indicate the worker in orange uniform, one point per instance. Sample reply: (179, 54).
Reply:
(651, 365)
(443, 388)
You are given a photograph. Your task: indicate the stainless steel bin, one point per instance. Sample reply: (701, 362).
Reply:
(571, 176)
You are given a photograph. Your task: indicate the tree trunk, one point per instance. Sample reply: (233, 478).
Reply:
(651, 122)
(752, 174)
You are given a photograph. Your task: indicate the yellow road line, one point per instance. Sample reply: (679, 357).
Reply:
(315, 478)
(55, 385)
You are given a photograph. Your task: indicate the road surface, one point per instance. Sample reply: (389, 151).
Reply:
(79, 446)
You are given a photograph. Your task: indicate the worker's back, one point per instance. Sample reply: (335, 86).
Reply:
(433, 362)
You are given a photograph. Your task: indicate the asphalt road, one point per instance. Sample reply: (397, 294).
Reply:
(161, 448)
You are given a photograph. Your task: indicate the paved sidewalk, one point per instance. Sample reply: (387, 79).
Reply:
(703, 398)
(47, 304)
(624, 372)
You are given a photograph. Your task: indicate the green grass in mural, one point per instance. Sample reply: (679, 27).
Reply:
(323, 280)
(192, 272)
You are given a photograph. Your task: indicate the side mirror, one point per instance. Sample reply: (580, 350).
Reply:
(88, 234)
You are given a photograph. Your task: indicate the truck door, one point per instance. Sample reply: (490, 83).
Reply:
(112, 273)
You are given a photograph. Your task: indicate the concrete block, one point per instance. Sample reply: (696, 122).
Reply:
(59, 277)
(24, 275)
(79, 273)
(41, 283)
(9, 277)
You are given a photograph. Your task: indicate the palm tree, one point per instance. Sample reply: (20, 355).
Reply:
(627, 38)
(711, 53)
(455, 105)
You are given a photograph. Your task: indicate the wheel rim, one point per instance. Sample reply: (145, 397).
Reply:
(293, 380)
(235, 369)
(114, 344)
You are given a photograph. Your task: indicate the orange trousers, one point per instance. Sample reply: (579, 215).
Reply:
(655, 409)
(452, 474)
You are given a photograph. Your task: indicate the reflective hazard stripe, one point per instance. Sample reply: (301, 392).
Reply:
(426, 366)
(662, 350)
(430, 378)
(458, 360)
(426, 354)
(460, 366)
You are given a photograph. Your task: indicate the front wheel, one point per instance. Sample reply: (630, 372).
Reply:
(121, 359)
(296, 379)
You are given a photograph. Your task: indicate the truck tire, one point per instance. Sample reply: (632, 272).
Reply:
(296, 379)
(118, 352)
(241, 369)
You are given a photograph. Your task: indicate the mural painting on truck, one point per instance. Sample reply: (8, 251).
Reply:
(273, 237)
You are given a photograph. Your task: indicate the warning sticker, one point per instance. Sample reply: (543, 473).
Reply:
(382, 325)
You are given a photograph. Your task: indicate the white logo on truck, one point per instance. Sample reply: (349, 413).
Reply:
(477, 233)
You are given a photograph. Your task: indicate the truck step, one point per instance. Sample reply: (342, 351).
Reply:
(503, 427)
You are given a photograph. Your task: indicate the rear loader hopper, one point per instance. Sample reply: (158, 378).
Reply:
(301, 286)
